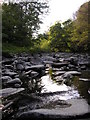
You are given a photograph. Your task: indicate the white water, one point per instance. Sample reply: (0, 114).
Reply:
(51, 86)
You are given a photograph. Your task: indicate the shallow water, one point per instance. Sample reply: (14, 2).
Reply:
(78, 88)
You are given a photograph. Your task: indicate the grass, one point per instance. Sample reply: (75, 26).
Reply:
(10, 48)
(14, 49)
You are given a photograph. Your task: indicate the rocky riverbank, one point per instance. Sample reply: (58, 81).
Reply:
(21, 93)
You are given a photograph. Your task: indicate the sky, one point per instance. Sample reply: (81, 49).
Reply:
(60, 10)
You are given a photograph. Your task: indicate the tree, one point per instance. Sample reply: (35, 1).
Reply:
(57, 36)
(81, 29)
(21, 20)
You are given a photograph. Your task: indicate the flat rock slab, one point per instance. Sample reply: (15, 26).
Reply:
(84, 79)
(10, 91)
(58, 73)
(78, 109)
(75, 73)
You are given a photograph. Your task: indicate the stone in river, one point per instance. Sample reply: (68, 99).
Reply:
(11, 74)
(7, 61)
(10, 91)
(58, 73)
(84, 79)
(79, 108)
(5, 79)
(74, 73)
(19, 66)
(14, 81)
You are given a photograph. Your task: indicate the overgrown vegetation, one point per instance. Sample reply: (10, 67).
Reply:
(21, 20)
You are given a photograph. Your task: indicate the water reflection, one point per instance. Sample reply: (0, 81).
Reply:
(67, 92)
(83, 86)
(76, 90)
(51, 86)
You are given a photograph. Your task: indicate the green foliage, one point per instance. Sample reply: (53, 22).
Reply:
(45, 45)
(10, 48)
(58, 36)
(80, 31)
(21, 20)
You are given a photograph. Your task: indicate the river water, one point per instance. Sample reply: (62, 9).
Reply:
(77, 89)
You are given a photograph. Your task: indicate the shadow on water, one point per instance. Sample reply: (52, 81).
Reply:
(83, 86)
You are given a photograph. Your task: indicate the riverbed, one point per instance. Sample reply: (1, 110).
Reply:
(52, 85)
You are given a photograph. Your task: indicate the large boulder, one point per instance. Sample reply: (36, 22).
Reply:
(78, 109)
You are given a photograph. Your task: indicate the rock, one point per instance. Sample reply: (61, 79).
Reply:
(9, 67)
(78, 109)
(13, 82)
(17, 85)
(83, 67)
(56, 69)
(7, 61)
(84, 79)
(19, 66)
(27, 67)
(71, 66)
(48, 62)
(58, 73)
(86, 63)
(5, 79)
(31, 74)
(34, 74)
(37, 68)
(89, 91)
(10, 91)
(58, 65)
(73, 60)
(74, 73)
(49, 58)
(11, 74)
(59, 78)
